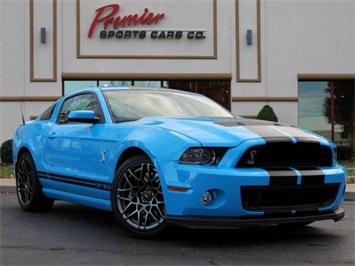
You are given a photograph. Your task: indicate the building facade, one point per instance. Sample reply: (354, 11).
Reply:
(297, 56)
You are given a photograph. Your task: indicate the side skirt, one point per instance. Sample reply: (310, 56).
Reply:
(79, 199)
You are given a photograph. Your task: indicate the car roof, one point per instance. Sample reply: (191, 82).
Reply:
(137, 88)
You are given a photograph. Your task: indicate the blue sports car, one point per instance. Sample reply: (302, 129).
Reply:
(161, 157)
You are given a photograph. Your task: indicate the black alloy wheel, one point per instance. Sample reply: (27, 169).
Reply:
(28, 188)
(137, 199)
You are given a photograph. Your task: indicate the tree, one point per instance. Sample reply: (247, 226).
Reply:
(6, 151)
(267, 113)
(343, 105)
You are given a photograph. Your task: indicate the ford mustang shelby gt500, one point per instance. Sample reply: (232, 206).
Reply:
(160, 157)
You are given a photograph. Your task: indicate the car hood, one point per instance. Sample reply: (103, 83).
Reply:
(230, 131)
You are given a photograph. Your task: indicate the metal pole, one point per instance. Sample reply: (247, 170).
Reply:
(332, 108)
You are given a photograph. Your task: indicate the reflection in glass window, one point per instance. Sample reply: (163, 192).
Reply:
(311, 101)
(78, 102)
(74, 85)
(134, 104)
(327, 108)
(165, 84)
(115, 83)
(148, 83)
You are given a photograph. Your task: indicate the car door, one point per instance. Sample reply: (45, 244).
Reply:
(76, 151)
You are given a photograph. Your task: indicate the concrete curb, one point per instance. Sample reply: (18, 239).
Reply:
(350, 196)
(7, 185)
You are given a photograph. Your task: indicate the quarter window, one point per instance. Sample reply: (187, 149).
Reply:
(48, 113)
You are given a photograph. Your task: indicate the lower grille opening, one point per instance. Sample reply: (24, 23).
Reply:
(288, 198)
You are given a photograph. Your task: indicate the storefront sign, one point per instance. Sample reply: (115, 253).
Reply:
(108, 16)
(181, 29)
(142, 34)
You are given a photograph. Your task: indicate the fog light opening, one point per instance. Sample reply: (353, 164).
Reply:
(206, 198)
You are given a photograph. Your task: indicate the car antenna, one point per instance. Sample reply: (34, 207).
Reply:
(23, 118)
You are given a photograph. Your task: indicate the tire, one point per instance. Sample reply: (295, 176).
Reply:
(137, 198)
(28, 188)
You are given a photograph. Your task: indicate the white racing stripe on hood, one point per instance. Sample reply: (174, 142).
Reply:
(285, 133)
(299, 134)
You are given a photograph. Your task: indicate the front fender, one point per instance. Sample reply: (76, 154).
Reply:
(30, 137)
(157, 143)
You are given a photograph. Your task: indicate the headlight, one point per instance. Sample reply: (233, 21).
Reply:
(202, 156)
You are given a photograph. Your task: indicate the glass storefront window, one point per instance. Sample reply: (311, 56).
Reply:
(73, 85)
(165, 84)
(310, 104)
(148, 83)
(327, 108)
(115, 83)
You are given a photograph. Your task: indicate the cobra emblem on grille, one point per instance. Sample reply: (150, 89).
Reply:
(252, 157)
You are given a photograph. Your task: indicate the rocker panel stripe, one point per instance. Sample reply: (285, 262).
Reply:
(75, 181)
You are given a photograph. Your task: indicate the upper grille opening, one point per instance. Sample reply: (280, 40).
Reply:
(300, 154)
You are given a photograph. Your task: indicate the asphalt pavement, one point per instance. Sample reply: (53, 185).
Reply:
(8, 185)
(72, 234)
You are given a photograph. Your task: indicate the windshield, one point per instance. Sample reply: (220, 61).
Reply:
(129, 104)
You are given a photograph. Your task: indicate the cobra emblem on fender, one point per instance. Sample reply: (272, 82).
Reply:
(252, 157)
(103, 156)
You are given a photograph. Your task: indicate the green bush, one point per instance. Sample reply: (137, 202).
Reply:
(6, 151)
(267, 113)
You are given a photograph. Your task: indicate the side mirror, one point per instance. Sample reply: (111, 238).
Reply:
(85, 116)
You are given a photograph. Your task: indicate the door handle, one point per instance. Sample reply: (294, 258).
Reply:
(52, 135)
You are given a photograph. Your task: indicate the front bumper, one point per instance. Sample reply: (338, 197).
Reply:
(204, 222)
(251, 192)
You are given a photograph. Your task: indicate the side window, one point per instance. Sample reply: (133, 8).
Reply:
(48, 113)
(85, 101)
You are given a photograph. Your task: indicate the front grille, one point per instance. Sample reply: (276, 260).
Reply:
(288, 198)
(300, 154)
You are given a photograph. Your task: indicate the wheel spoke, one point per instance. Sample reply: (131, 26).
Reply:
(123, 198)
(151, 214)
(131, 214)
(145, 220)
(27, 196)
(127, 207)
(127, 178)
